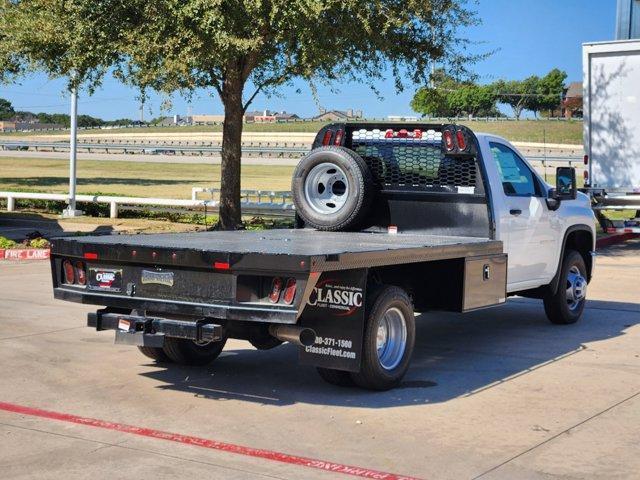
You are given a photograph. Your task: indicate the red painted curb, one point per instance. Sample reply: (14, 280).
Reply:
(613, 239)
(206, 443)
(25, 254)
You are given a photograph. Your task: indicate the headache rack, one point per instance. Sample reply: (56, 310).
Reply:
(414, 163)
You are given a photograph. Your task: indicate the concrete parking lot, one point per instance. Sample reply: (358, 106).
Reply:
(496, 394)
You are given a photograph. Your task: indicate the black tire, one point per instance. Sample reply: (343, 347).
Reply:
(373, 375)
(558, 306)
(336, 377)
(188, 352)
(154, 353)
(359, 188)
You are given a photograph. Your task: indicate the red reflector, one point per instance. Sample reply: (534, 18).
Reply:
(327, 138)
(91, 256)
(338, 139)
(80, 273)
(462, 141)
(289, 291)
(447, 137)
(403, 133)
(221, 265)
(585, 175)
(388, 134)
(276, 288)
(417, 133)
(69, 274)
(586, 159)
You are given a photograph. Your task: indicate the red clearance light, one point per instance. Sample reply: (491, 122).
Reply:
(289, 291)
(327, 138)
(338, 139)
(417, 133)
(91, 256)
(221, 265)
(462, 141)
(586, 159)
(402, 133)
(80, 273)
(69, 274)
(276, 288)
(388, 134)
(447, 137)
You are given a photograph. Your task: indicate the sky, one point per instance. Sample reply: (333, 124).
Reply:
(530, 37)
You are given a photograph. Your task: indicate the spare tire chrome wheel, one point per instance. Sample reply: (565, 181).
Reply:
(332, 189)
(326, 188)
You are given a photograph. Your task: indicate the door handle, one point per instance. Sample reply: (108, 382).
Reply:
(515, 211)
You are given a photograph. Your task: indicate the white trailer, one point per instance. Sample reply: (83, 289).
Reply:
(611, 91)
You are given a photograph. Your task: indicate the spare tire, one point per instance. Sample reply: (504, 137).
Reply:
(332, 189)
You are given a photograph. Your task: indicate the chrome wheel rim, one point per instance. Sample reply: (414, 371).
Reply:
(576, 288)
(326, 188)
(391, 338)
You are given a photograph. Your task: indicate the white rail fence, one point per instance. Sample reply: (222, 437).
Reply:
(249, 204)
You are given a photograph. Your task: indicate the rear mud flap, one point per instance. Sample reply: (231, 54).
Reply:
(335, 310)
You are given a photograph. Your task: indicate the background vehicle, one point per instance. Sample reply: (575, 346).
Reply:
(433, 212)
(612, 129)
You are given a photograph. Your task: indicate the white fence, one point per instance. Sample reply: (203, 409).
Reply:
(249, 206)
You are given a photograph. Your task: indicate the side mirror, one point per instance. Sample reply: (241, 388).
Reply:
(565, 183)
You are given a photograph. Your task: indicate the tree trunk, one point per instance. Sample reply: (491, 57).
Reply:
(230, 213)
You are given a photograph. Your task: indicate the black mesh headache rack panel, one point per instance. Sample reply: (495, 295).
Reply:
(421, 186)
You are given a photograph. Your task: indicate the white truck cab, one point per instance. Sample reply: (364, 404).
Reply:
(533, 227)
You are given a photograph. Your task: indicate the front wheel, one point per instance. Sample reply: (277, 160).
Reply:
(389, 338)
(189, 352)
(566, 305)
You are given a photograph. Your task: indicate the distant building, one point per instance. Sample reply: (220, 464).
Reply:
(572, 100)
(204, 119)
(628, 20)
(268, 116)
(337, 115)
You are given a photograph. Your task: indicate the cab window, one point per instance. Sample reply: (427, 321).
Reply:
(516, 176)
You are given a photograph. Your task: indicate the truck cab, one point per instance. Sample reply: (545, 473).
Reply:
(534, 229)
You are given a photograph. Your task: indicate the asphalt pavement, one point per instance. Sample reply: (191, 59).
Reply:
(495, 394)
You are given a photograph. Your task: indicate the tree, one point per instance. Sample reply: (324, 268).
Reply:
(518, 94)
(550, 90)
(6, 109)
(472, 99)
(227, 45)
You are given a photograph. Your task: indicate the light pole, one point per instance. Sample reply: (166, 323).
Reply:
(71, 211)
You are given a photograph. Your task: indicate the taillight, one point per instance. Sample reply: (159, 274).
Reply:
(586, 159)
(327, 138)
(462, 141)
(402, 133)
(276, 289)
(69, 273)
(585, 175)
(338, 139)
(80, 274)
(417, 133)
(289, 291)
(447, 137)
(388, 134)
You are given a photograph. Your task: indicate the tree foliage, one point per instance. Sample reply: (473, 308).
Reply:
(6, 109)
(227, 45)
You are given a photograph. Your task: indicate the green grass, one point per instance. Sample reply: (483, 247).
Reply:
(136, 179)
(569, 132)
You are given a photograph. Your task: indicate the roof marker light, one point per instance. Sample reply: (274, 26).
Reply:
(462, 141)
(90, 256)
(447, 137)
(221, 265)
(338, 139)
